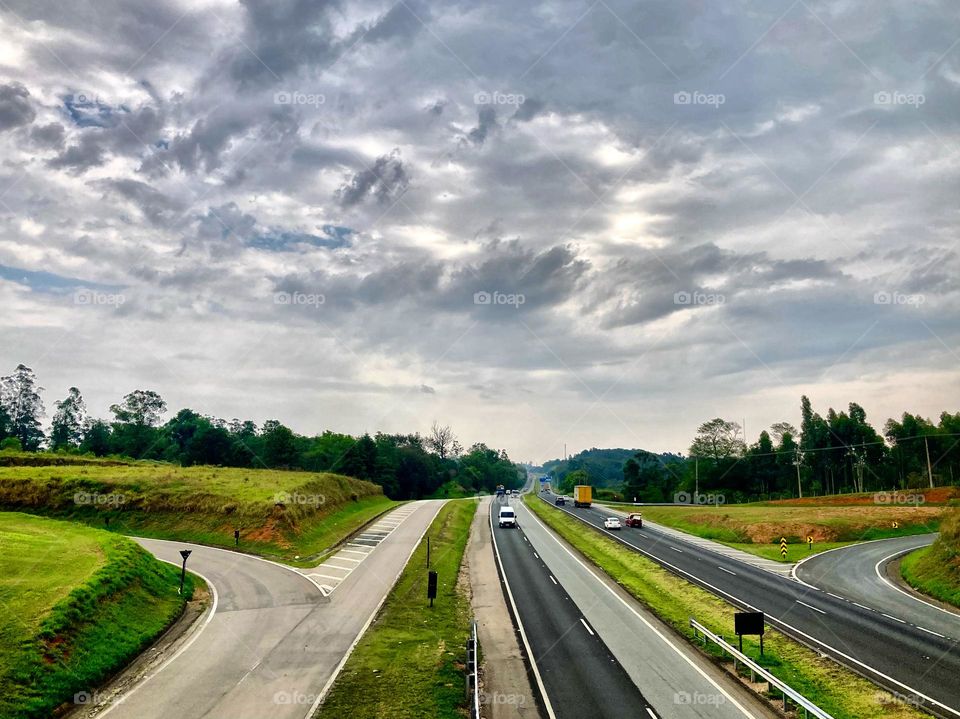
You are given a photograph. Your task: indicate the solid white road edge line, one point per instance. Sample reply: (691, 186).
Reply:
(523, 634)
(366, 625)
(903, 591)
(643, 619)
(212, 610)
(587, 626)
(717, 590)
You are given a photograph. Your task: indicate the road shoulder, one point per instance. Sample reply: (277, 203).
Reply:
(504, 673)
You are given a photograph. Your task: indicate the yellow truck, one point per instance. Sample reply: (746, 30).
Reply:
(582, 495)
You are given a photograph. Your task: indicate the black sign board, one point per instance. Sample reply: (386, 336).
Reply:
(431, 586)
(749, 623)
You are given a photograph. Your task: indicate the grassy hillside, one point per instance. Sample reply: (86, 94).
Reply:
(409, 664)
(279, 513)
(935, 570)
(78, 604)
(757, 528)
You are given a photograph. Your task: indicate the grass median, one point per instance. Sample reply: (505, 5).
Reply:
(835, 689)
(409, 663)
(77, 605)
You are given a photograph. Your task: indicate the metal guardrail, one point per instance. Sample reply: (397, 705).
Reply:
(808, 707)
(473, 672)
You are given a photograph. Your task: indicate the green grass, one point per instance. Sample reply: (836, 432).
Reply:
(409, 664)
(935, 570)
(77, 605)
(280, 514)
(840, 692)
(757, 528)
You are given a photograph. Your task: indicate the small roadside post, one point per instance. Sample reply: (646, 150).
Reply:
(431, 586)
(236, 537)
(751, 623)
(428, 552)
(183, 571)
(783, 547)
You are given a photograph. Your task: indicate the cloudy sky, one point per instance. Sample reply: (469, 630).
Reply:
(597, 224)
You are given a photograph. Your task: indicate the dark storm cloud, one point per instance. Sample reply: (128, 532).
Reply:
(486, 120)
(15, 106)
(386, 180)
(80, 157)
(156, 207)
(48, 136)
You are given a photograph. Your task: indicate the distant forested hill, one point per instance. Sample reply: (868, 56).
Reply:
(604, 467)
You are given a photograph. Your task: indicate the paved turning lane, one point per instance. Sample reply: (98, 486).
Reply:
(272, 643)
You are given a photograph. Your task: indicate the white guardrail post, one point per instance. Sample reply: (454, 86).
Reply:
(809, 708)
(473, 672)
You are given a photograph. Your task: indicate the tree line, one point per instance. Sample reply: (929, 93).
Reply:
(837, 453)
(405, 465)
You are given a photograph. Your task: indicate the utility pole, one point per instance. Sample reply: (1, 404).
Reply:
(926, 444)
(799, 486)
(696, 474)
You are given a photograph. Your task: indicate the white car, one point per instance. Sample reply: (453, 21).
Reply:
(507, 517)
(612, 523)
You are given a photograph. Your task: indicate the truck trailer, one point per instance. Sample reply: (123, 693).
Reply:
(582, 495)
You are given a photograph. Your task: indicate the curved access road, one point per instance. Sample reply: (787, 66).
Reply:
(271, 643)
(907, 660)
(859, 573)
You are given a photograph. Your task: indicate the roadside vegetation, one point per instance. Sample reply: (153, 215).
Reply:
(838, 453)
(757, 528)
(835, 689)
(405, 466)
(282, 514)
(935, 570)
(78, 604)
(409, 664)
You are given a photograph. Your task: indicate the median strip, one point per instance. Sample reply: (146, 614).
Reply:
(409, 663)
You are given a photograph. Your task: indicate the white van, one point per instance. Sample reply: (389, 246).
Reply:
(507, 517)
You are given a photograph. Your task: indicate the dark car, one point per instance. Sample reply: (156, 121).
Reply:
(634, 520)
(560, 500)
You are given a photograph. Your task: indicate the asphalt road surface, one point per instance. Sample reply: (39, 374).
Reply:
(580, 676)
(272, 644)
(914, 663)
(858, 573)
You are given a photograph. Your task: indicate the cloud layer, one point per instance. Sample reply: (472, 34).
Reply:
(563, 222)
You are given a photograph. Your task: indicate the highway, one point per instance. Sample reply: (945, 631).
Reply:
(858, 572)
(596, 652)
(912, 662)
(271, 643)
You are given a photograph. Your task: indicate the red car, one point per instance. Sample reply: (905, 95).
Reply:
(634, 520)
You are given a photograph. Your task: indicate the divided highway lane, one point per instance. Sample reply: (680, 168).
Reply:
(905, 659)
(579, 675)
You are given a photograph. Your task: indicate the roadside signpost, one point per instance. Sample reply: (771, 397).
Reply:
(431, 586)
(749, 623)
(783, 547)
(810, 542)
(183, 571)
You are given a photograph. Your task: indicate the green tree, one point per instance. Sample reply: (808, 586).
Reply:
(20, 397)
(69, 421)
